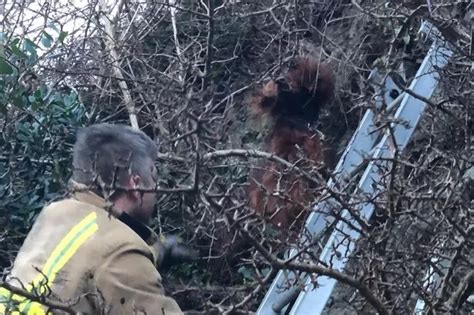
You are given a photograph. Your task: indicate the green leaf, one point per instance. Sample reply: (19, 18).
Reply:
(406, 39)
(18, 52)
(69, 100)
(15, 42)
(46, 39)
(52, 24)
(245, 272)
(38, 94)
(19, 100)
(62, 36)
(29, 43)
(5, 67)
(30, 47)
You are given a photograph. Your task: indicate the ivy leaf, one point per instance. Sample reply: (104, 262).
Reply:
(5, 67)
(246, 273)
(62, 36)
(30, 47)
(46, 39)
(18, 52)
(15, 42)
(52, 24)
(406, 39)
(31, 44)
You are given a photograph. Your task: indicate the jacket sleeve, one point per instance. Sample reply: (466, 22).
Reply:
(129, 283)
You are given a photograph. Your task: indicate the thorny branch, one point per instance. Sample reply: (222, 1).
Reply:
(52, 305)
(184, 70)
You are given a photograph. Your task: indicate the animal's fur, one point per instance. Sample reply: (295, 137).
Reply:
(290, 104)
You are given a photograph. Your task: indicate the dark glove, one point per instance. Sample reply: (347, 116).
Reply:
(171, 252)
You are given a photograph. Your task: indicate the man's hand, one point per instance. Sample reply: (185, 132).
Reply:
(171, 252)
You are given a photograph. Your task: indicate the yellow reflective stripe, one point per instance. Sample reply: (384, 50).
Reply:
(10, 302)
(36, 309)
(66, 248)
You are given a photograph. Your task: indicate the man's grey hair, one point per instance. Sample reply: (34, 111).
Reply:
(109, 154)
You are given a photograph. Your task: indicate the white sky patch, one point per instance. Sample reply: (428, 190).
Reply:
(44, 22)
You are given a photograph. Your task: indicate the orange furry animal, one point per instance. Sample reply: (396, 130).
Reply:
(290, 104)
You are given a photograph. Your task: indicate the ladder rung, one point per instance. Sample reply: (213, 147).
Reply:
(410, 110)
(360, 147)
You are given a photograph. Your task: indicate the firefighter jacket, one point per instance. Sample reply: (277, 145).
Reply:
(80, 255)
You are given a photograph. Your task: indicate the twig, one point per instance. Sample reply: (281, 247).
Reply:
(374, 15)
(40, 299)
(176, 39)
(209, 41)
(111, 43)
(182, 9)
(260, 154)
(317, 269)
(465, 287)
(264, 11)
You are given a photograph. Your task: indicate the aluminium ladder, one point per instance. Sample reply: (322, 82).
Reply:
(364, 144)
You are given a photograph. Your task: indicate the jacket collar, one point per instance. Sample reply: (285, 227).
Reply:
(91, 198)
(141, 229)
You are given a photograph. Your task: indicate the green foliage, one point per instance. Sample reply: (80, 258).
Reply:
(246, 273)
(38, 129)
(5, 67)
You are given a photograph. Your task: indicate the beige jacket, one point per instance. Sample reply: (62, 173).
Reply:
(79, 254)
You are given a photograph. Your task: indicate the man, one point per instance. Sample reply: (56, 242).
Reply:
(93, 252)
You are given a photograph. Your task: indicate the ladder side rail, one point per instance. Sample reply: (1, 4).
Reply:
(428, 283)
(350, 159)
(358, 148)
(432, 281)
(411, 109)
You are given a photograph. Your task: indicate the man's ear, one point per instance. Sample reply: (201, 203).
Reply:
(134, 183)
